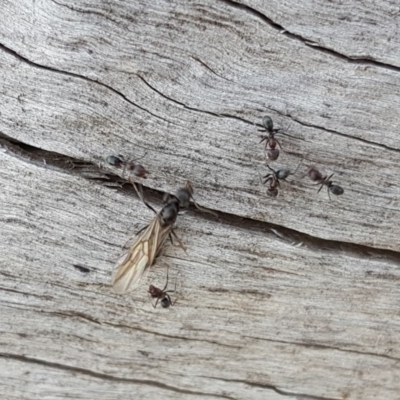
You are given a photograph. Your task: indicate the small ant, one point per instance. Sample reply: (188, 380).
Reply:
(275, 177)
(270, 140)
(136, 169)
(162, 295)
(324, 180)
(272, 152)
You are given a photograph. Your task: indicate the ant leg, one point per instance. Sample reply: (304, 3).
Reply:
(204, 209)
(179, 240)
(137, 233)
(169, 299)
(167, 281)
(136, 159)
(155, 305)
(320, 187)
(271, 169)
(141, 230)
(267, 177)
(141, 196)
(267, 180)
(189, 186)
(150, 207)
(301, 161)
(277, 141)
(265, 138)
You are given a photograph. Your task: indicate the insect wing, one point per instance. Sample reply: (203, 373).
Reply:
(132, 265)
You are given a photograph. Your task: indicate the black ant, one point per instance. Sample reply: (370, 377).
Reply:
(275, 177)
(272, 152)
(324, 180)
(136, 169)
(270, 140)
(162, 295)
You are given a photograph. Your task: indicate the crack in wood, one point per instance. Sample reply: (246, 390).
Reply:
(275, 389)
(74, 75)
(325, 347)
(353, 60)
(287, 235)
(382, 146)
(171, 336)
(103, 376)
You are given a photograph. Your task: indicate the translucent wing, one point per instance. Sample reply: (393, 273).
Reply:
(132, 265)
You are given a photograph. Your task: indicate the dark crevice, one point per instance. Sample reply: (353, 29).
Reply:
(90, 319)
(274, 388)
(325, 347)
(176, 101)
(320, 245)
(72, 74)
(95, 173)
(365, 141)
(353, 60)
(59, 162)
(74, 314)
(46, 297)
(89, 12)
(219, 115)
(105, 377)
(185, 338)
(209, 68)
(81, 268)
(258, 125)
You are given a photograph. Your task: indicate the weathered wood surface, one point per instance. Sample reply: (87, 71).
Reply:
(294, 297)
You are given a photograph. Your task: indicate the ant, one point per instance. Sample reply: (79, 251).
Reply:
(137, 169)
(162, 295)
(275, 177)
(272, 152)
(270, 140)
(324, 180)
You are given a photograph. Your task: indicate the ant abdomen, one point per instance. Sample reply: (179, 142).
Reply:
(314, 174)
(273, 154)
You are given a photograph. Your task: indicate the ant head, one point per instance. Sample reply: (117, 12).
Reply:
(282, 173)
(170, 212)
(114, 161)
(267, 123)
(184, 195)
(271, 169)
(165, 302)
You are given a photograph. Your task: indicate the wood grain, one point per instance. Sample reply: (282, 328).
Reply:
(295, 296)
